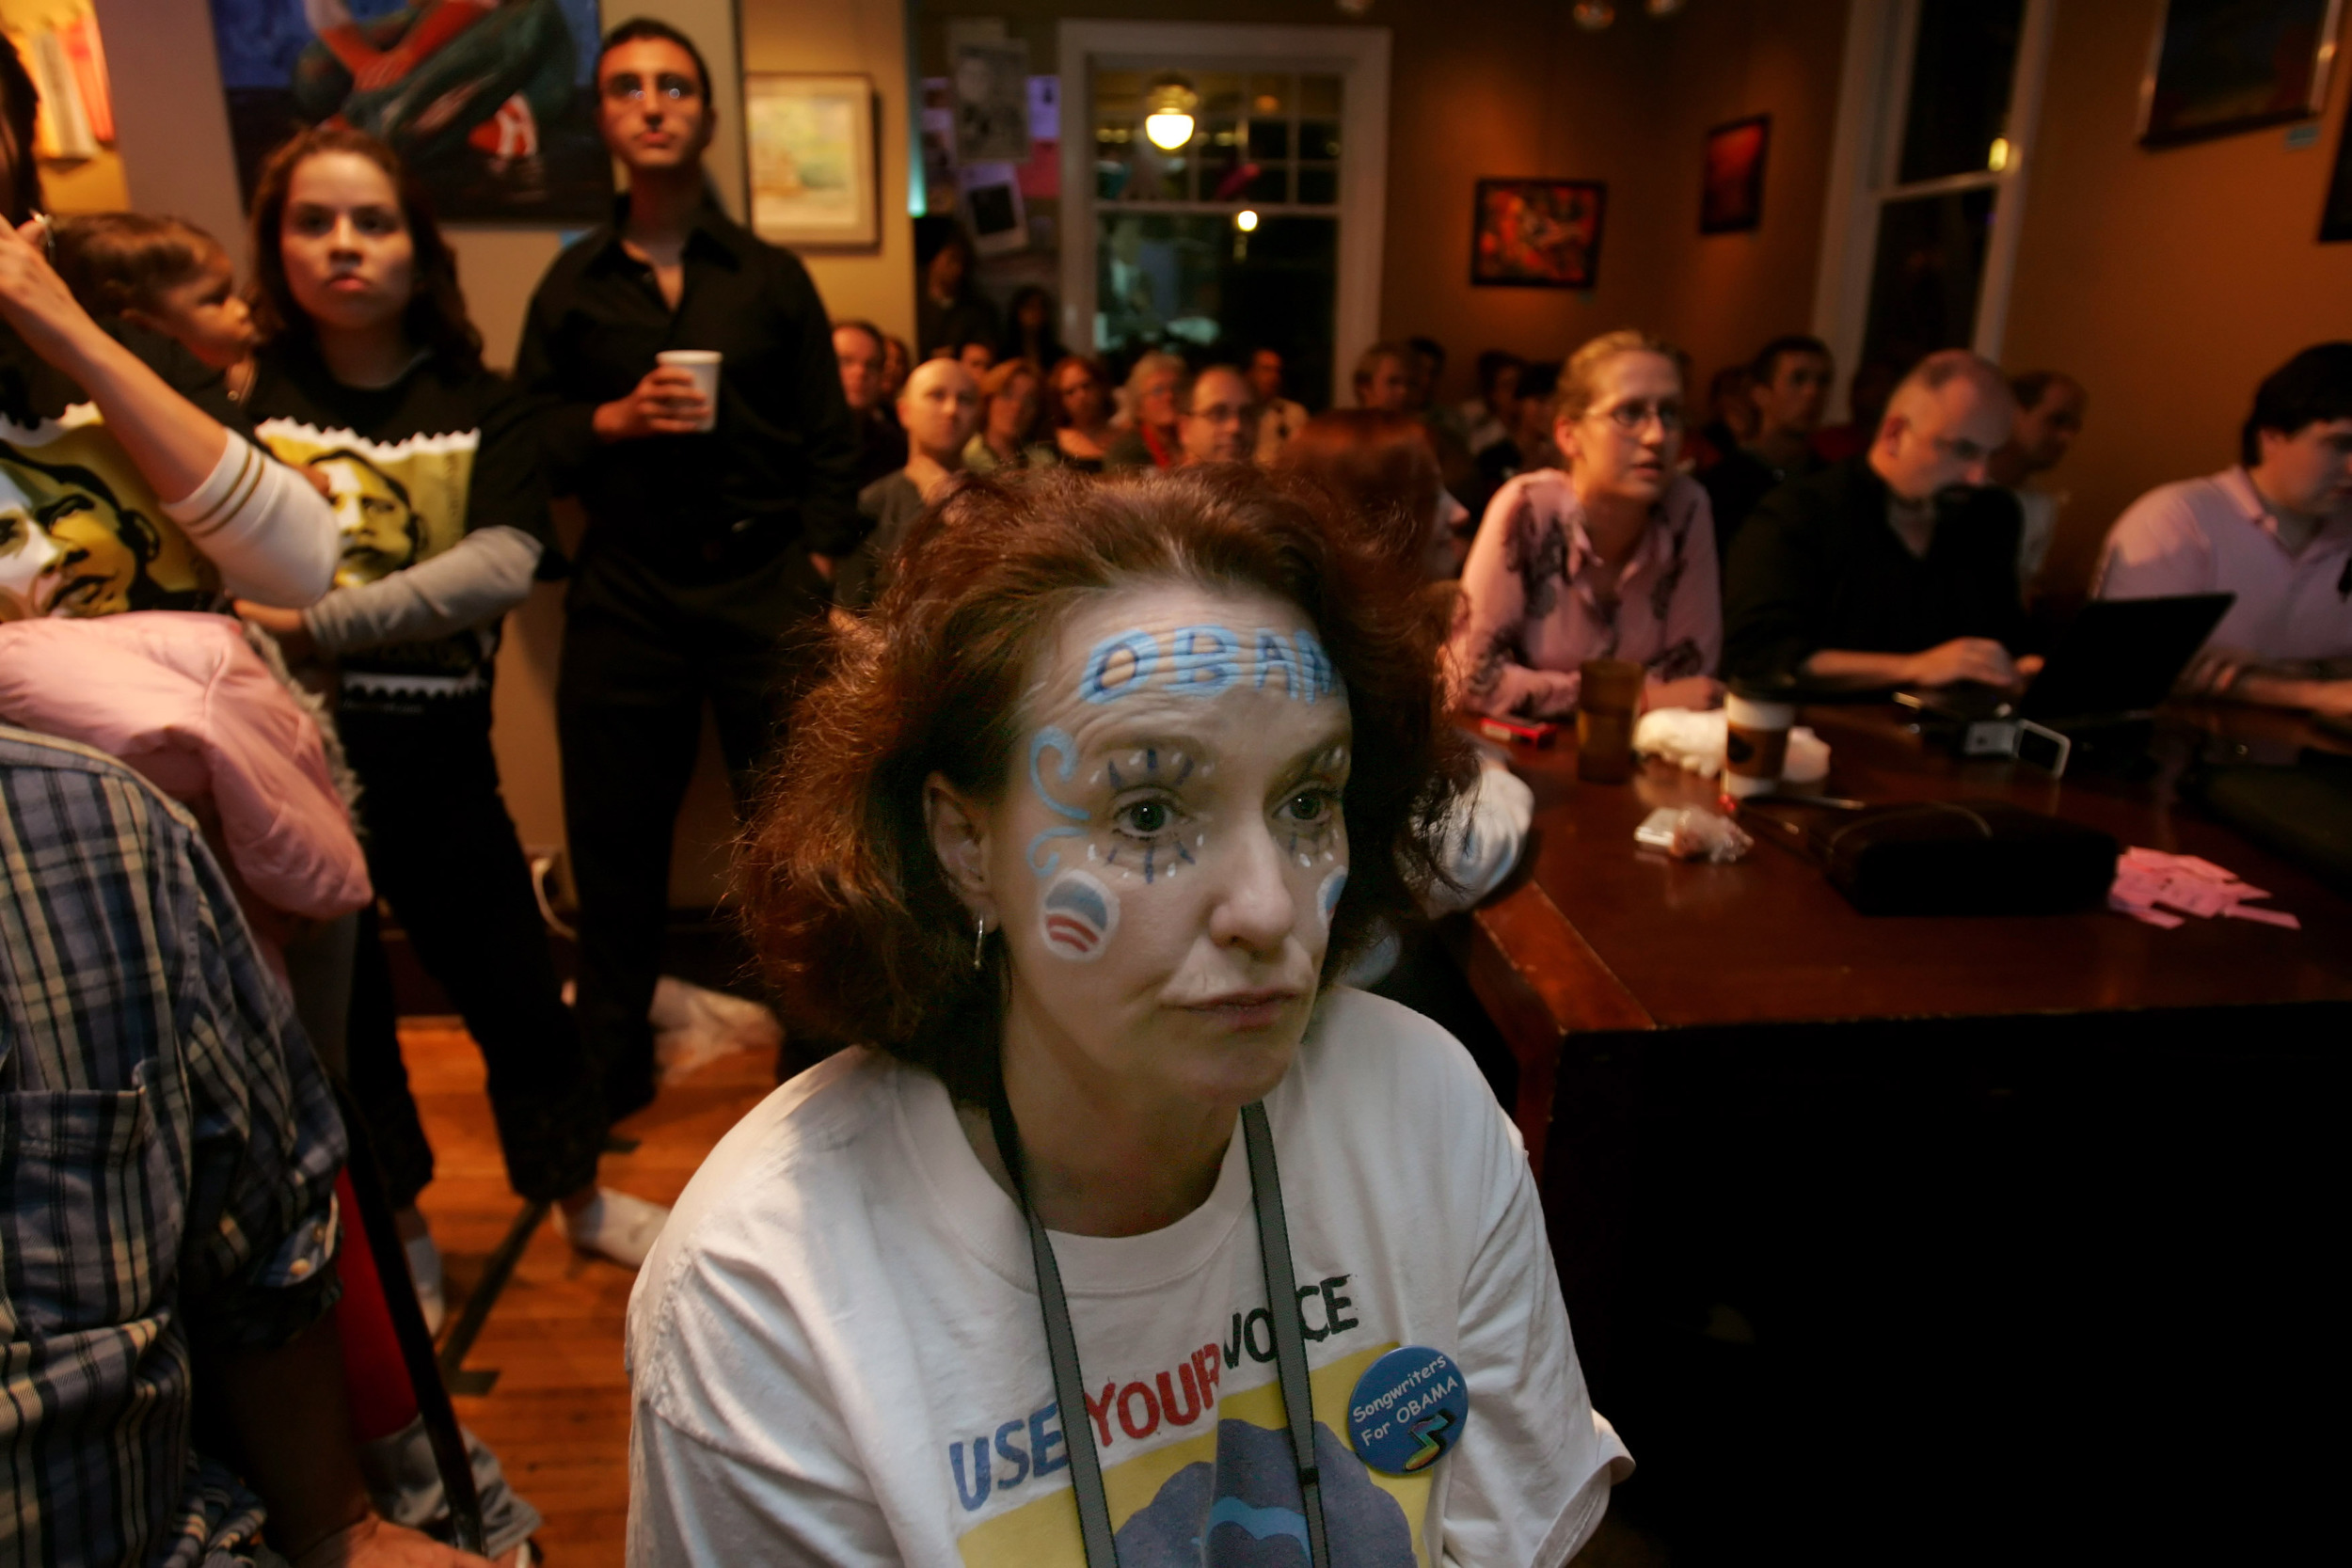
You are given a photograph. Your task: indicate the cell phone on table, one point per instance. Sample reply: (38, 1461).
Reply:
(1518, 732)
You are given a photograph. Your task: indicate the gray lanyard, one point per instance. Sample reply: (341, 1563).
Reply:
(1062, 1343)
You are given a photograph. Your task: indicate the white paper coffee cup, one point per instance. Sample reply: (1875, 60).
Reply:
(703, 365)
(1756, 743)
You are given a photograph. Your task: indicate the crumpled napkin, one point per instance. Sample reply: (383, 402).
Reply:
(1693, 739)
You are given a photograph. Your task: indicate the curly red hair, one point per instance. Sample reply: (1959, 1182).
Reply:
(846, 903)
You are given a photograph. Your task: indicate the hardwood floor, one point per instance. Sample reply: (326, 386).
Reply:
(558, 1415)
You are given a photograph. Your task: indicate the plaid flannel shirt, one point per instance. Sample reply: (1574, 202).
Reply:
(169, 1149)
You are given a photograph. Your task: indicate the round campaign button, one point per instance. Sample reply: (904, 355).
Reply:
(1408, 1410)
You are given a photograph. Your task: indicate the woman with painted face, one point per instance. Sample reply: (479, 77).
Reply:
(1613, 559)
(370, 378)
(1131, 1236)
(126, 480)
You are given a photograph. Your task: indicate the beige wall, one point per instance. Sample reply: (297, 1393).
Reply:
(2168, 282)
(1722, 296)
(852, 35)
(1523, 93)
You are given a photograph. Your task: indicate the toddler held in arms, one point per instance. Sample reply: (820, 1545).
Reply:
(166, 275)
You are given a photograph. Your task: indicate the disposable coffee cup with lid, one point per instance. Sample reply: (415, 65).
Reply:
(703, 365)
(1756, 742)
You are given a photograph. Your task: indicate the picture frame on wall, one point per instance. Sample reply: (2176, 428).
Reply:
(993, 212)
(496, 116)
(809, 139)
(2218, 67)
(1731, 194)
(1537, 233)
(2335, 216)
(992, 101)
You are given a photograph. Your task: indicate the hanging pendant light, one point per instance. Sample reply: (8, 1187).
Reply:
(1594, 16)
(1168, 106)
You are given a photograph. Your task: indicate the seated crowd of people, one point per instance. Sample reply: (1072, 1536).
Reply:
(256, 549)
(1590, 511)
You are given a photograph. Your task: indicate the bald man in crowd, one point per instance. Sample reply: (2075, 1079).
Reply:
(1215, 416)
(1897, 567)
(939, 408)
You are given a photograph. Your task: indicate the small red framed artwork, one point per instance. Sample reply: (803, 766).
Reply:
(1731, 198)
(1537, 233)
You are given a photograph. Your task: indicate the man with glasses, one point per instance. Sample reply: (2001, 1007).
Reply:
(1897, 567)
(712, 527)
(2275, 529)
(1215, 416)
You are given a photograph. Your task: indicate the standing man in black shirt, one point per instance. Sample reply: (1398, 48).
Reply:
(705, 566)
(1897, 567)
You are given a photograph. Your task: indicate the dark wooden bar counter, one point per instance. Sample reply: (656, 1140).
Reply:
(1595, 936)
(1599, 961)
(1962, 1178)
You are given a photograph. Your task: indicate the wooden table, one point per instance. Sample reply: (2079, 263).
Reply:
(1597, 937)
(1598, 951)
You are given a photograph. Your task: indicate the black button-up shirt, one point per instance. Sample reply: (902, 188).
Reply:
(1817, 565)
(782, 462)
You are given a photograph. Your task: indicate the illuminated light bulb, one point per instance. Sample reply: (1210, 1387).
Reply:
(1168, 106)
(1594, 15)
(1247, 221)
(1998, 159)
(1663, 7)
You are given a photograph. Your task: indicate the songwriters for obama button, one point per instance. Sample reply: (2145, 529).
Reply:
(1408, 1410)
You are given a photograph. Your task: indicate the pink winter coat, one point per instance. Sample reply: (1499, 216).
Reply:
(181, 699)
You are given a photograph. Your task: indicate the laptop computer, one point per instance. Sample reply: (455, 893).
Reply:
(2116, 663)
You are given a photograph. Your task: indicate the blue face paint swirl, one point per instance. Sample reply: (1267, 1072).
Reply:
(1060, 744)
(1052, 863)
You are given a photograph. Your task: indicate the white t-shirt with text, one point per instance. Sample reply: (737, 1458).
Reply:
(837, 1355)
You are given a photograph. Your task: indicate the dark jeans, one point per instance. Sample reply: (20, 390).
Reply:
(443, 853)
(641, 653)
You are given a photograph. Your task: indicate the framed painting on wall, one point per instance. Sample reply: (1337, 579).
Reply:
(2223, 66)
(1732, 197)
(2335, 217)
(494, 107)
(1537, 233)
(810, 142)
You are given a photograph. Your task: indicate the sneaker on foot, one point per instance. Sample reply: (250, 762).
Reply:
(614, 1226)
(424, 1270)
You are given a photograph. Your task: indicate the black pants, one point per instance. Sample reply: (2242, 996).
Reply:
(443, 853)
(642, 652)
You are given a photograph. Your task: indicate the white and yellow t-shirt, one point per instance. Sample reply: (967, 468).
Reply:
(837, 1355)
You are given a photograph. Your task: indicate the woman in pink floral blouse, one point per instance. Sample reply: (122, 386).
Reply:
(1613, 559)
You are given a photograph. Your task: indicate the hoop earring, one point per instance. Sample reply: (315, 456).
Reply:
(979, 936)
